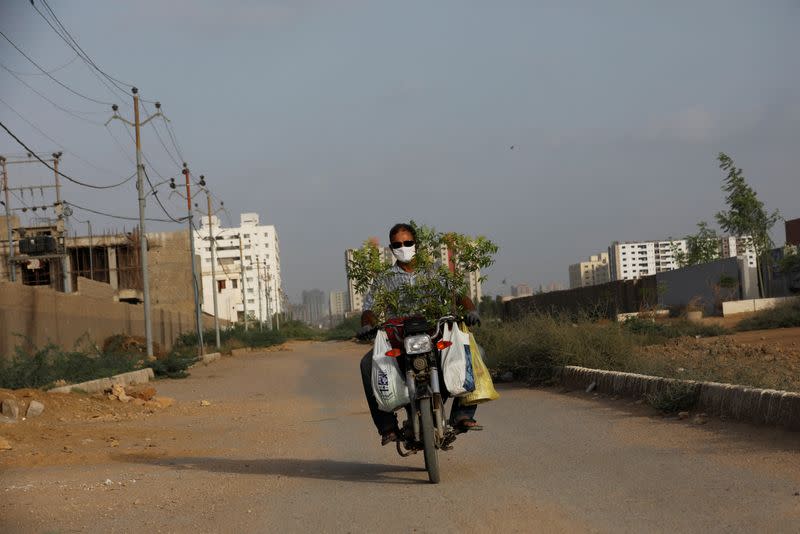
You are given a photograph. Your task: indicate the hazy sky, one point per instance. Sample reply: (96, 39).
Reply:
(334, 119)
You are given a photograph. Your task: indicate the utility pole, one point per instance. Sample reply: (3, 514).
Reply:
(260, 308)
(12, 268)
(198, 317)
(213, 268)
(266, 294)
(91, 253)
(62, 229)
(148, 327)
(277, 305)
(244, 281)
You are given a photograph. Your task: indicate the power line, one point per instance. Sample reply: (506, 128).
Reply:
(121, 217)
(119, 145)
(68, 111)
(59, 82)
(43, 162)
(160, 140)
(155, 195)
(114, 80)
(61, 145)
(80, 54)
(51, 71)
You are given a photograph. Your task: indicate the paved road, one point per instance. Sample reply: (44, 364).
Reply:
(286, 446)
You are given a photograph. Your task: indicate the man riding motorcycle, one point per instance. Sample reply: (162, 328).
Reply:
(402, 238)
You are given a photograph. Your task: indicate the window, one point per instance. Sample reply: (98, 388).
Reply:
(220, 285)
(246, 236)
(250, 301)
(250, 290)
(234, 283)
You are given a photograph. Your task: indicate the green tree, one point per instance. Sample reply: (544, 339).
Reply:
(746, 214)
(439, 281)
(702, 247)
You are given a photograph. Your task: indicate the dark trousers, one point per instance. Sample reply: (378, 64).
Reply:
(385, 421)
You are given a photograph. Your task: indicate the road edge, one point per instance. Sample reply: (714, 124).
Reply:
(741, 403)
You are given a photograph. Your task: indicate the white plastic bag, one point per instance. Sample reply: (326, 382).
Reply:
(459, 378)
(388, 385)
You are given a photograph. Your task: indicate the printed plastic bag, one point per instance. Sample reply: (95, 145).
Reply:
(484, 388)
(457, 362)
(388, 385)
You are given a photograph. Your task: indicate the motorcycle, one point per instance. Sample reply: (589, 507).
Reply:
(425, 429)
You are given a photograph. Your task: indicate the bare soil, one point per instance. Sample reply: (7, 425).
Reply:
(759, 358)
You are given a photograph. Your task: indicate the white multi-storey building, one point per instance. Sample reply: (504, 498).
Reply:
(632, 260)
(590, 273)
(248, 268)
(742, 246)
(337, 305)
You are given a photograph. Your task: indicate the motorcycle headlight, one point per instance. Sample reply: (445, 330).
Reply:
(418, 344)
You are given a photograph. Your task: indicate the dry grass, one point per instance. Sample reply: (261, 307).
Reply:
(533, 347)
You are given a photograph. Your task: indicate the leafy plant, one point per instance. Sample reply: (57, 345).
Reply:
(702, 247)
(746, 214)
(674, 397)
(442, 264)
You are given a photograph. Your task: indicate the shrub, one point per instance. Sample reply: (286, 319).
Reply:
(674, 397)
(785, 315)
(344, 330)
(41, 367)
(654, 332)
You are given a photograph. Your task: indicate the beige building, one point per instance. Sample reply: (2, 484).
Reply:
(590, 273)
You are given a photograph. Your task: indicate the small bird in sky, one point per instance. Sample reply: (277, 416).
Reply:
(512, 147)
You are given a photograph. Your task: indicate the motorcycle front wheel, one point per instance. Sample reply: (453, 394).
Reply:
(429, 441)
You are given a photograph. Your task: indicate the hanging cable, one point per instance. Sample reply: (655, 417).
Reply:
(59, 82)
(160, 140)
(68, 111)
(121, 217)
(51, 71)
(60, 145)
(155, 195)
(66, 177)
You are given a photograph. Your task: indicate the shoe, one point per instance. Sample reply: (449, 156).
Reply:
(389, 436)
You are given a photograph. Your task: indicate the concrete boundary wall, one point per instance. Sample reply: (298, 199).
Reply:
(752, 305)
(741, 403)
(40, 315)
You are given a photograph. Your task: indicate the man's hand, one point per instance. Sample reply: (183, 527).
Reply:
(472, 318)
(364, 331)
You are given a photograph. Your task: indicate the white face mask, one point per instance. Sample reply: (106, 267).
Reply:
(405, 254)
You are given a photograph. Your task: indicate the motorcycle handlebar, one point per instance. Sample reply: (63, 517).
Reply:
(372, 332)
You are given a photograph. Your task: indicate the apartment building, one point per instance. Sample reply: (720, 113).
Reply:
(741, 246)
(521, 290)
(247, 270)
(337, 305)
(633, 259)
(590, 273)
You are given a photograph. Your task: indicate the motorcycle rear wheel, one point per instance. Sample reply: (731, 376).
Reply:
(431, 453)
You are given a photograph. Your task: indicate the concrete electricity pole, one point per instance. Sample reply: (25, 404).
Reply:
(266, 295)
(62, 215)
(12, 268)
(213, 267)
(260, 307)
(148, 327)
(244, 281)
(198, 316)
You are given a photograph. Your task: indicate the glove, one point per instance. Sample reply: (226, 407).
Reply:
(472, 318)
(364, 331)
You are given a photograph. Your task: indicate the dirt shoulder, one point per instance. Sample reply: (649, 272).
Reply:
(759, 358)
